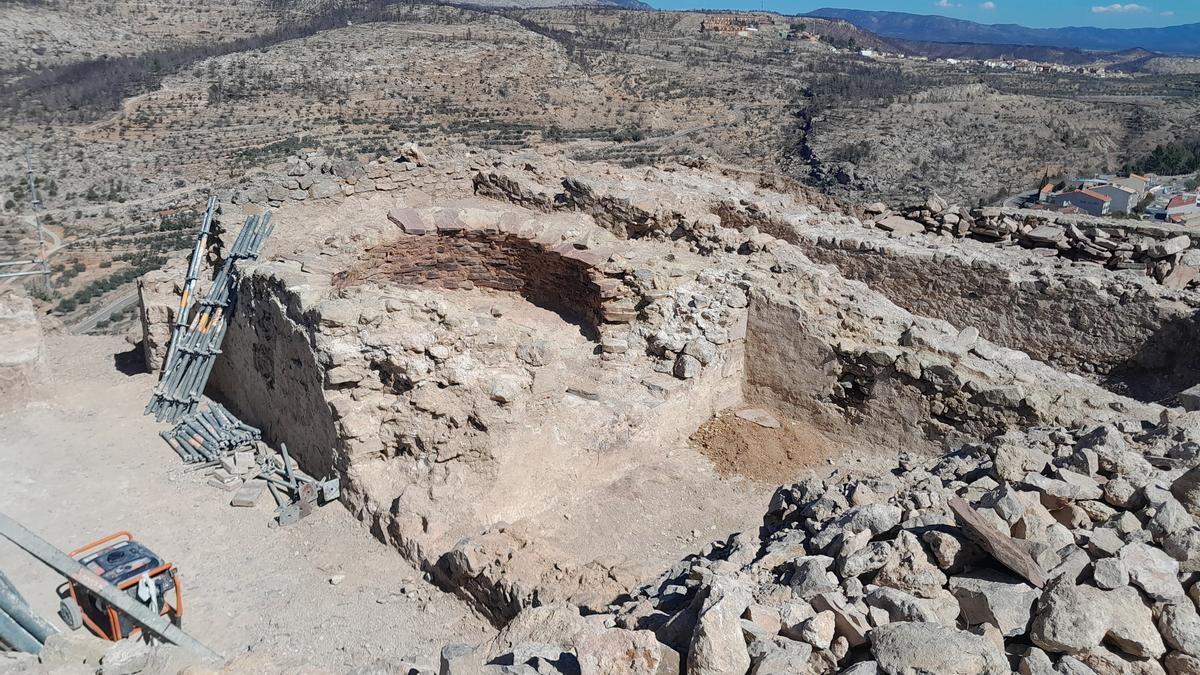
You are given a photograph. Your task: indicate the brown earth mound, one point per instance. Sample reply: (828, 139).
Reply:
(738, 446)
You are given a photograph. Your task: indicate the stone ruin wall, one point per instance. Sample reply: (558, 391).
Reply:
(292, 390)
(886, 380)
(1122, 328)
(313, 176)
(269, 375)
(22, 346)
(1070, 323)
(454, 254)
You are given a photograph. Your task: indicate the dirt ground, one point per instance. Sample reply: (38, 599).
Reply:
(80, 461)
(772, 456)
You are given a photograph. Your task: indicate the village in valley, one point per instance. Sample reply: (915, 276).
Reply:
(1171, 199)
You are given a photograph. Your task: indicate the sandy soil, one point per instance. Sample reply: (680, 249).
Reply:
(771, 456)
(81, 461)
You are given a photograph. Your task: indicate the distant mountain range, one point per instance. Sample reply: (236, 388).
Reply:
(1183, 39)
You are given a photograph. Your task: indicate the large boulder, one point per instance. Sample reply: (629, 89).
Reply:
(908, 648)
(999, 599)
(718, 647)
(22, 347)
(624, 652)
(1067, 620)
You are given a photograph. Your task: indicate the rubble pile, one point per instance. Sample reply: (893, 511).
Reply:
(1170, 260)
(1042, 551)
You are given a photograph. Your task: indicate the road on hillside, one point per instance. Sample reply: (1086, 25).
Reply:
(118, 304)
(1016, 201)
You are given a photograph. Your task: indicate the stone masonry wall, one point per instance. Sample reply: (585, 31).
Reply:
(1165, 255)
(268, 373)
(313, 176)
(879, 395)
(1078, 324)
(22, 346)
(449, 250)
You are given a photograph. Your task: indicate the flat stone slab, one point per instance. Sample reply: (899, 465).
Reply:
(1008, 551)
(1046, 234)
(1189, 399)
(1168, 247)
(900, 226)
(758, 416)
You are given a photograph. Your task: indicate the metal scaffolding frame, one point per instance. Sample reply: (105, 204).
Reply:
(40, 261)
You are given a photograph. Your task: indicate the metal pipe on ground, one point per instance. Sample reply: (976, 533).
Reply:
(12, 604)
(15, 637)
(70, 568)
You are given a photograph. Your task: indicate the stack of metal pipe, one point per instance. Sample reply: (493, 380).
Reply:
(20, 629)
(194, 349)
(205, 436)
(188, 298)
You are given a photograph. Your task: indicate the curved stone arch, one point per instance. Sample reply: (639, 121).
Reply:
(465, 249)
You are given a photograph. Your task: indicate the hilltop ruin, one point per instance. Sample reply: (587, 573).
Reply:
(505, 356)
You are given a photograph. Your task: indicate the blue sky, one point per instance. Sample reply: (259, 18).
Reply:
(1035, 13)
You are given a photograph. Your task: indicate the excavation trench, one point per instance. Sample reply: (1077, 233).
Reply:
(1122, 331)
(507, 407)
(579, 490)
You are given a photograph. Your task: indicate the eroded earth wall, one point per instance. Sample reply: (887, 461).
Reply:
(269, 376)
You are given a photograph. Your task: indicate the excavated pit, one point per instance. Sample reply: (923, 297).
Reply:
(509, 394)
(1115, 328)
(548, 273)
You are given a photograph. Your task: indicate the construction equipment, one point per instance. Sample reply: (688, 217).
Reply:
(194, 349)
(20, 628)
(187, 299)
(133, 569)
(87, 580)
(205, 436)
(305, 493)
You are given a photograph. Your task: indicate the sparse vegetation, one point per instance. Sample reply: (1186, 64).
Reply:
(1170, 159)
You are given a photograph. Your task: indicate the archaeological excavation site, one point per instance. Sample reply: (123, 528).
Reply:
(674, 420)
(569, 393)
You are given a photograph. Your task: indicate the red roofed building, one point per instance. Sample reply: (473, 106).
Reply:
(1088, 201)
(1183, 205)
(1045, 193)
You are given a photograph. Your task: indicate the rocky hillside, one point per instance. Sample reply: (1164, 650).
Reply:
(130, 114)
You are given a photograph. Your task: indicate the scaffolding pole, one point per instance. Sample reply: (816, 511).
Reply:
(37, 222)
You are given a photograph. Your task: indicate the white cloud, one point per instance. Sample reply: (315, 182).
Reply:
(988, 5)
(945, 4)
(1167, 13)
(1118, 8)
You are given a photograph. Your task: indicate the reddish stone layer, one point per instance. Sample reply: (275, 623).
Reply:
(442, 250)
